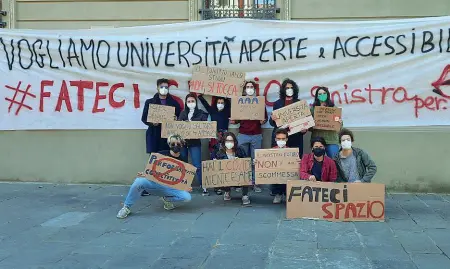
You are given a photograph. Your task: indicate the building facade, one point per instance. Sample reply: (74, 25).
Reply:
(408, 159)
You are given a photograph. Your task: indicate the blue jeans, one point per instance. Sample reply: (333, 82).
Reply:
(249, 143)
(141, 183)
(196, 156)
(332, 150)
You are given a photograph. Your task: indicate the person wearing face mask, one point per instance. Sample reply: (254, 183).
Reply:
(154, 142)
(322, 98)
(316, 166)
(281, 140)
(168, 195)
(194, 146)
(250, 131)
(230, 150)
(353, 164)
(288, 95)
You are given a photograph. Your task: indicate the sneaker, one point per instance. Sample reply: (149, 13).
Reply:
(278, 198)
(227, 196)
(239, 189)
(205, 192)
(124, 212)
(272, 194)
(167, 205)
(145, 193)
(218, 191)
(246, 200)
(256, 188)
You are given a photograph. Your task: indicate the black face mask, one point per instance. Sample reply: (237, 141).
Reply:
(175, 149)
(318, 152)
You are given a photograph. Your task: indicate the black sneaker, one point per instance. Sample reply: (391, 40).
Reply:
(218, 191)
(205, 192)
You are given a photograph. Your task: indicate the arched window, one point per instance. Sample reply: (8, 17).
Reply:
(253, 9)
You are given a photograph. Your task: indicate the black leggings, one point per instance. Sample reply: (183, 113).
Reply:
(244, 189)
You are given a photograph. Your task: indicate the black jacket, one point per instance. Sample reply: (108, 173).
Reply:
(199, 115)
(155, 131)
(222, 155)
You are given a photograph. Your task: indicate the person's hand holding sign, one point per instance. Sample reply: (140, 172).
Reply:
(140, 174)
(312, 178)
(274, 117)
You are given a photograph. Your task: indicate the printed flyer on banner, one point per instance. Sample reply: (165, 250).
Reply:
(381, 73)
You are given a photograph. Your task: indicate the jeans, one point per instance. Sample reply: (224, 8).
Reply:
(196, 156)
(249, 143)
(332, 150)
(141, 183)
(279, 189)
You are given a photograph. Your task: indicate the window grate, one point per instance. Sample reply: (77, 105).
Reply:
(2, 23)
(252, 9)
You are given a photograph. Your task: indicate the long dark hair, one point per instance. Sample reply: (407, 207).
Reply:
(191, 94)
(224, 138)
(245, 84)
(328, 102)
(227, 103)
(283, 89)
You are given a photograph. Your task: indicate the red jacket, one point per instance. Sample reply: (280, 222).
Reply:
(252, 127)
(329, 170)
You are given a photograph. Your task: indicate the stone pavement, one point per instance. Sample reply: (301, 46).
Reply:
(75, 226)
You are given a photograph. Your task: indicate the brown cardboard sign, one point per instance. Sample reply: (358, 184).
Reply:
(227, 173)
(300, 125)
(190, 129)
(292, 113)
(248, 108)
(335, 201)
(216, 81)
(327, 118)
(160, 113)
(297, 116)
(276, 166)
(170, 172)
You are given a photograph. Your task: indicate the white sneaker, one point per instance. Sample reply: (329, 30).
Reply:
(167, 205)
(227, 196)
(246, 200)
(238, 189)
(256, 188)
(123, 213)
(277, 199)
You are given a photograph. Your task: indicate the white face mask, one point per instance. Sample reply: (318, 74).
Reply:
(281, 144)
(346, 144)
(163, 91)
(289, 92)
(229, 145)
(250, 91)
(191, 105)
(220, 106)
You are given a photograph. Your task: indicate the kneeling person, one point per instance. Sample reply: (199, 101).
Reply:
(168, 195)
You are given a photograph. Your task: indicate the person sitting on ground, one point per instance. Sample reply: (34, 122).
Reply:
(316, 166)
(230, 150)
(168, 195)
(281, 139)
(353, 164)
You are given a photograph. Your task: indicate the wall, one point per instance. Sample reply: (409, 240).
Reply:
(76, 14)
(411, 159)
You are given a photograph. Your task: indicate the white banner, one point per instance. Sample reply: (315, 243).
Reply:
(383, 73)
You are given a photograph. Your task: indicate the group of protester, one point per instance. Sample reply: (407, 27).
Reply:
(332, 157)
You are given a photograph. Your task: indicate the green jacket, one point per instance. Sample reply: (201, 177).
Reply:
(365, 165)
(331, 137)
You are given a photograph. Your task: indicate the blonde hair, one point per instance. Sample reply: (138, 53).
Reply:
(176, 137)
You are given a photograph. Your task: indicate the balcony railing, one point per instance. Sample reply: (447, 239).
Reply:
(253, 9)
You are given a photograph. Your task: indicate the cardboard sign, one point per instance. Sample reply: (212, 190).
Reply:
(227, 173)
(216, 81)
(160, 113)
(170, 172)
(190, 129)
(335, 201)
(300, 125)
(296, 115)
(276, 166)
(248, 108)
(327, 118)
